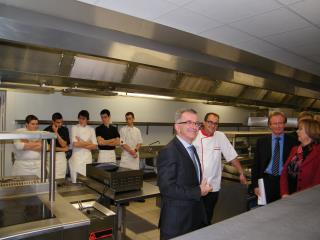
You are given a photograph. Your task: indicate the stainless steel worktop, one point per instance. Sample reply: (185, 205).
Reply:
(65, 217)
(293, 218)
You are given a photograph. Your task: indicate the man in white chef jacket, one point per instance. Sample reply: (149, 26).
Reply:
(130, 141)
(27, 152)
(210, 145)
(83, 140)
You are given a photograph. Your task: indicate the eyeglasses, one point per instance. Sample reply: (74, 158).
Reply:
(277, 123)
(213, 123)
(190, 123)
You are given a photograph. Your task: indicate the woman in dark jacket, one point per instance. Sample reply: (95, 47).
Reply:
(302, 168)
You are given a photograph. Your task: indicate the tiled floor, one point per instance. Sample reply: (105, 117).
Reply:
(142, 220)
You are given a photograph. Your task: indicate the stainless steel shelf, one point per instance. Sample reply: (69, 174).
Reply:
(43, 136)
(27, 135)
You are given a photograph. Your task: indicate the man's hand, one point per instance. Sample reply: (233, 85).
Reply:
(133, 153)
(284, 196)
(100, 140)
(257, 191)
(205, 187)
(243, 179)
(55, 129)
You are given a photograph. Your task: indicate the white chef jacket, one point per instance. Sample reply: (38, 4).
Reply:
(81, 156)
(130, 136)
(27, 162)
(209, 149)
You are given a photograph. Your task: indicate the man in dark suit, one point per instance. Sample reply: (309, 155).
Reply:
(270, 155)
(180, 180)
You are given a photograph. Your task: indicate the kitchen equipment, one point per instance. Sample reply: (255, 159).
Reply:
(23, 210)
(101, 219)
(116, 179)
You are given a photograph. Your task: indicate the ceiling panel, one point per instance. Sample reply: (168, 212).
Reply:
(226, 34)
(179, 2)
(310, 9)
(147, 9)
(315, 58)
(307, 50)
(187, 20)
(277, 21)
(296, 37)
(256, 46)
(227, 11)
(89, 1)
(287, 2)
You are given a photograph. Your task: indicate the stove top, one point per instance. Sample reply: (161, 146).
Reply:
(22, 210)
(17, 181)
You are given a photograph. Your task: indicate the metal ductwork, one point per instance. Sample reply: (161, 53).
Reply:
(68, 53)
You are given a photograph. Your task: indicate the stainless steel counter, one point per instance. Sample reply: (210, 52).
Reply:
(65, 217)
(293, 218)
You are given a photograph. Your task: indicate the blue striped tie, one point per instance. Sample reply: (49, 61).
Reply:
(276, 158)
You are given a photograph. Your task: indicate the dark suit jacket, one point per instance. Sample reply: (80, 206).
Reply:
(182, 209)
(262, 155)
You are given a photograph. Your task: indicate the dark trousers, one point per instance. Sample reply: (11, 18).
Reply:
(272, 187)
(209, 203)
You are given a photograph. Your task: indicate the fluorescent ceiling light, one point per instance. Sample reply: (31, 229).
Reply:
(86, 92)
(32, 88)
(143, 95)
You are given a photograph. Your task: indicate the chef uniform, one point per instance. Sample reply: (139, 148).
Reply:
(27, 162)
(107, 153)
(209, 149)
(81, 156)
(61, 160)
(130, 136)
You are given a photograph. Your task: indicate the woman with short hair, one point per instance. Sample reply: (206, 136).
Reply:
(302, 168)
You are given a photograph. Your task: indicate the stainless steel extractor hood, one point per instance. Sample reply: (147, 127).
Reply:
(64, 51)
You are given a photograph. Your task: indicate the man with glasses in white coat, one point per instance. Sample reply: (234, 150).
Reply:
(210, 144)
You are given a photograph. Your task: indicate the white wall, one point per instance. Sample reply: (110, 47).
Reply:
(20, 104)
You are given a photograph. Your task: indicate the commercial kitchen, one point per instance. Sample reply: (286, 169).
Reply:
(241, 59)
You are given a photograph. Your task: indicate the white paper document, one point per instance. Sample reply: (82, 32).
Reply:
(262, 198)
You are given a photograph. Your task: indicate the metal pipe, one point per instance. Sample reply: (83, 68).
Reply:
(52, 171)
(43, 159)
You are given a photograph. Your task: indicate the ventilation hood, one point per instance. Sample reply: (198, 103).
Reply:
(72, 54)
